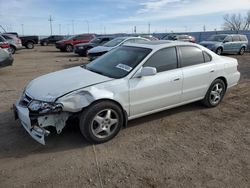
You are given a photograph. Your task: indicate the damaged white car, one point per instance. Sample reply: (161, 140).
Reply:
(126, 83)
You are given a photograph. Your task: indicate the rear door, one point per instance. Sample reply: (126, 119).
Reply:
(228, 44)
(236, 43)
(198, 72)
(161, 90)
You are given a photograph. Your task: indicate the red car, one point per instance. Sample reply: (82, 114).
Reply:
(68, 44)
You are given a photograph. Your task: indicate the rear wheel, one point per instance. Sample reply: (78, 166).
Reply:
(215, 93)
(12, 49)
(30, 45)
(101, 122)
(69, 48)
(219, 51)
(242, 51)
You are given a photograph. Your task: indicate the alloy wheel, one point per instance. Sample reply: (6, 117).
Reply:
(216, 93)
(105, 123)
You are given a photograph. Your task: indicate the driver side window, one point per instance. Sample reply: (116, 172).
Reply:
(163, 60)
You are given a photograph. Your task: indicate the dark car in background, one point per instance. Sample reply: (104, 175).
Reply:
(82, 48)
(225, 43)
(184, 38)
(51, 40)
(29, 41)
(14, 42)
(68, 44)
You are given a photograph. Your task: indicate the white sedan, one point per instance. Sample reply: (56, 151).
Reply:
(131, 81)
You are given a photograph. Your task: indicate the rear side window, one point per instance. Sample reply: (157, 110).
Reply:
(2, 39)
(7, 37)
(191, 56)
(163, 60)
(236, 38)
(207, 57)
(243, 38)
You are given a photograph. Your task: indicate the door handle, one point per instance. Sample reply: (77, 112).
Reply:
(212, 70)
(176, 79)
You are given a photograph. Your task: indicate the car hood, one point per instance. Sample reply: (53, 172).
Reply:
(99, 49)
(51, 86)
(209, 43)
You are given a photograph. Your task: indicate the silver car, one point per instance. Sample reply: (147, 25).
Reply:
(6, 58)
(14, 41)
(230, 44)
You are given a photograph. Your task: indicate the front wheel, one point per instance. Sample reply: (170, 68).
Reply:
(242, 51)
(215, 93)
(218, 51)
(69, 48)
(101, 122)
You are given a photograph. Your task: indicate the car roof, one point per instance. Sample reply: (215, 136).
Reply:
(158, 44)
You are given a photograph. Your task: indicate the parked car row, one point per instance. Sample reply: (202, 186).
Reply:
(220, 44)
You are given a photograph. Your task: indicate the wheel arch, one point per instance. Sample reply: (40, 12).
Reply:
(223, 79)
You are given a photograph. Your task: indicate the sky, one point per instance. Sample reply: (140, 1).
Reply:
(30, 17)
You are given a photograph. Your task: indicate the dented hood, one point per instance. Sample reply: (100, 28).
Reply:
(53, 85)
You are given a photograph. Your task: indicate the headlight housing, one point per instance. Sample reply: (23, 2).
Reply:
(45, 107)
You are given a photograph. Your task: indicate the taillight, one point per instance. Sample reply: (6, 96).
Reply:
(4, 45)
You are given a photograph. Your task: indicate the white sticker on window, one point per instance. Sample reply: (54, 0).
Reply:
(124, 67)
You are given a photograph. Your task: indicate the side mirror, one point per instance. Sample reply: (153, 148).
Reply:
(146, 71)
(225, 41)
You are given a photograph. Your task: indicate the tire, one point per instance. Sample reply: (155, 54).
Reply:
(219, 51)
(30, 45)
(69, 48)
(215, 93)
(101, 122)
(12, 50)
(242, 51)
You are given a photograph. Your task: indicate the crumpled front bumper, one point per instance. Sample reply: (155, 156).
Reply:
(36, 132)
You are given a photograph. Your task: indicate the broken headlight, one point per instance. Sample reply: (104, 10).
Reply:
(45, 107)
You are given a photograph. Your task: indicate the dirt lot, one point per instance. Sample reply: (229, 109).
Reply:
(189, 146)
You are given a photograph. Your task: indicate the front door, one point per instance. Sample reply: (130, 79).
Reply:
(156, 92)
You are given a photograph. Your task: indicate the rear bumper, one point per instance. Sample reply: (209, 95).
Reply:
(60, 46)
(7, 62)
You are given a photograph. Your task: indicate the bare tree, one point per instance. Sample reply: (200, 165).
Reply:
(236, 22)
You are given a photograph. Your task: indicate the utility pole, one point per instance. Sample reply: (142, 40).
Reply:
(59, 29)
(22, 29)
(50, 20)
(73, 27)
(135, 29)
(87, 25)
(149, 25)
(204, 28)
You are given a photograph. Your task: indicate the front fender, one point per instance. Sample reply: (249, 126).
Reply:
(78, 100)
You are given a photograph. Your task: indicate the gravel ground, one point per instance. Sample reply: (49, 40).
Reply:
(189, 146)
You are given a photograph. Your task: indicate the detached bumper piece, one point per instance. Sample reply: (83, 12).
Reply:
(36, 132)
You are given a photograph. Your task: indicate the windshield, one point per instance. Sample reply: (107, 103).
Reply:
(113, 42)
(118, 62)
(217, 38)
(96, 41)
